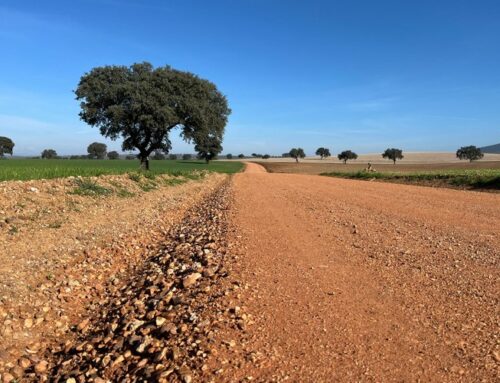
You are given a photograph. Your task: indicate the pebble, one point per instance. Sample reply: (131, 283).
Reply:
(191, 279)
(41, 367)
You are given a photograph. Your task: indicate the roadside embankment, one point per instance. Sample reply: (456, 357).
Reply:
(64, 242)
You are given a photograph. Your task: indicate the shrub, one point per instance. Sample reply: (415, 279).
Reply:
(113, 155)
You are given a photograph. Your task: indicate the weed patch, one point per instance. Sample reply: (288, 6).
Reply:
(88, 187)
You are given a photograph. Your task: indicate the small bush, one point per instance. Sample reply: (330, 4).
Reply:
(136, 177)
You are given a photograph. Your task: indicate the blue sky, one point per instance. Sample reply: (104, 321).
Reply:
(361, 75)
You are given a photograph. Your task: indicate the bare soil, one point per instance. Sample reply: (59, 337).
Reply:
(369, 282)
(306, 167)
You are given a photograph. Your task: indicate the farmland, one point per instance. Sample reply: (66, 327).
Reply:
(481, 175)
(30, 169)
(477, 179)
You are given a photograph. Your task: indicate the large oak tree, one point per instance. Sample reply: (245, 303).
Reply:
(143, 104)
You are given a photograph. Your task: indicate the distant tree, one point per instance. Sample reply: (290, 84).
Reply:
(130, 157)
(297, 153)
(347, 155)
(143, 104)
(187, 157)
(49, 154)
(286, 155)
(158, 155)
(208, 147)
(393, 154)
(470, 153)
(6, 146)
(241, 155)
(229, 156)
(172, 156)
(266, 156)
(97, 150)
(323, 152)
(113, 155)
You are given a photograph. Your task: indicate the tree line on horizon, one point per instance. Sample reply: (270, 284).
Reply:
(97, 150)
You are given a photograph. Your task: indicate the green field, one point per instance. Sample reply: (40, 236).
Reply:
(475, 179)
(30, 169)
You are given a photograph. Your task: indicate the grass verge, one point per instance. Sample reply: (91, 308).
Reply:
(470, 179)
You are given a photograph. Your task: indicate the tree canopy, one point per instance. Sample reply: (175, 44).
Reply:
(49, 154)
(347, 155)
(323, 152)
(113, 155)
(208, 147)
(6, 146)
(143, 104)
(229, 156)
(297, 153)
(393, 154)
(97, 150)
(470, 153)
(241, 155)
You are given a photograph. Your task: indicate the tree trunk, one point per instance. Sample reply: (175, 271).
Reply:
(297, 159)
(144, 163)
(207, 160)
(394, 162)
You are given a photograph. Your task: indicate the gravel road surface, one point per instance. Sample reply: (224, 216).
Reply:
(358, 281)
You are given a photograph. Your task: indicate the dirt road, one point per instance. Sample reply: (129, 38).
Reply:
(358, 281)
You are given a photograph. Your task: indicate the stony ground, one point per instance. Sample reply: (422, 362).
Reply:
(157, 324)
(282, 277)
(60, 251)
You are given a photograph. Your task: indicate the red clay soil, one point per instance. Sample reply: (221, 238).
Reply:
(355, 281)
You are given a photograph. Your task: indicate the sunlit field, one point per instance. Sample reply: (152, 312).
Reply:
(29, 169)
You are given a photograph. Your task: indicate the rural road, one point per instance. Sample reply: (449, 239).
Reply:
(359, 281)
